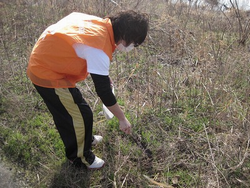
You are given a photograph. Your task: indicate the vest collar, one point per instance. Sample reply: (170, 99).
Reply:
(111, 33)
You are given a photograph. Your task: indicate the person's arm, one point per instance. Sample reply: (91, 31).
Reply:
(125, 125)
(104, 91)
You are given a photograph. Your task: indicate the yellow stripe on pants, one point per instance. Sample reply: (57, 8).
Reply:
(78, 122)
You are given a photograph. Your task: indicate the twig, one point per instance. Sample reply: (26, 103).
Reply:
(212, 156)
(213, 161)
(244, 157)
(89, 89)
(44, 166)
(116, 3)
(157, 183)
(208, 94)
(124, 161)
(125, 177)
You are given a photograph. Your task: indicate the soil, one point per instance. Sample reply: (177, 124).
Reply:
(7, 177)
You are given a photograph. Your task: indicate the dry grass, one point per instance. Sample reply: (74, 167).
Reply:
(186, 90)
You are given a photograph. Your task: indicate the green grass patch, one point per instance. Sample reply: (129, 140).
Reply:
(32, 142)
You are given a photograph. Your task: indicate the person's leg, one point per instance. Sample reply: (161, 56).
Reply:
(82, 117)
(74, 121)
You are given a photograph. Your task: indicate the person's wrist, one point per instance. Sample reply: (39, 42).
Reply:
(122, 119)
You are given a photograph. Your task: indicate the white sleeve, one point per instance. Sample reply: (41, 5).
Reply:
(97, 61)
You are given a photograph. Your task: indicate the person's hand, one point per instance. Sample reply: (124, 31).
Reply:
(125, 126)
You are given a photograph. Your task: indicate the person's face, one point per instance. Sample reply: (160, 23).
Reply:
(122, 46)
(126, 45)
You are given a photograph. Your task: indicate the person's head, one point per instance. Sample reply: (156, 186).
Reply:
(130, 27)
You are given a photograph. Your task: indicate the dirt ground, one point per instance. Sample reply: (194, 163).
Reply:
(6, 177)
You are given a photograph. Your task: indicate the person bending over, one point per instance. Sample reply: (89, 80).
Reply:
(67, 52)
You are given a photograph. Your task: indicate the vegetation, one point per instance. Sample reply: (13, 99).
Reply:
(186, 90)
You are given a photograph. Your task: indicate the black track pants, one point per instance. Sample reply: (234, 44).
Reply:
(73, 119)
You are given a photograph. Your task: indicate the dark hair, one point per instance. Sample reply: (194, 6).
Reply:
(130, 26)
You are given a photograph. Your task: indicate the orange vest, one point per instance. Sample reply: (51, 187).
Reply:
(54, 63)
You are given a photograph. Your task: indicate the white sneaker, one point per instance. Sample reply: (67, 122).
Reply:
(97, 139)
(97, 164)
